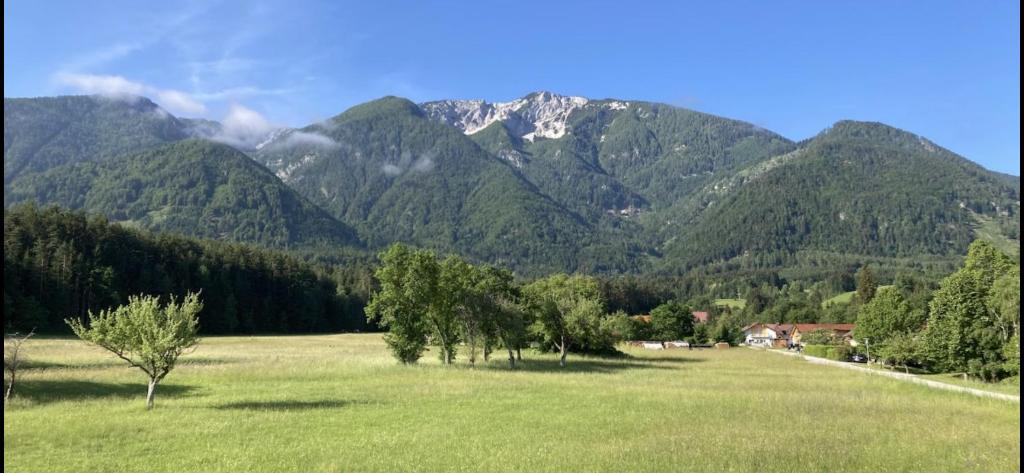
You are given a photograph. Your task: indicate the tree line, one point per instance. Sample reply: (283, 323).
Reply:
(60, 264)
(970, 324)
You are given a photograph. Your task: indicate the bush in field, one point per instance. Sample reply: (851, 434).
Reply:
(144, 334)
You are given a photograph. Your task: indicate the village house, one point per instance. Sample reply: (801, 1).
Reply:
(785, 335)
(768, 335)
(700, 316)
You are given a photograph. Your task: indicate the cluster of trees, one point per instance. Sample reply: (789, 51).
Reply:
(970, 324)
(60, 263)
(450, 303)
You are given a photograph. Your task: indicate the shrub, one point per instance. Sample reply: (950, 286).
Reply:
(841, 352)
(820, 351)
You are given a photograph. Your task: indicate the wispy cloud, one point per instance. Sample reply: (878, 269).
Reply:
(118, 87)
(235, 93)
(305, 138)
(102, 56)
(407, 163)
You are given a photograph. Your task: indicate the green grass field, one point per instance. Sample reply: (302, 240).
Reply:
(340, 403)
(843, 298)
(737, 304)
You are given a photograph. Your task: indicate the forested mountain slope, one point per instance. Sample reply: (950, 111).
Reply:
(541, 183)
(191, 187)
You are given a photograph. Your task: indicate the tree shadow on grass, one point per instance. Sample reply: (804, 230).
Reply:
(585, 365)
(288, 405)
(47, 391)
(31, 364)
(667, 359)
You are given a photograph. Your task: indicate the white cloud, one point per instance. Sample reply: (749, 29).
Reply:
(120, 88)
(110, 86)
(244, 128)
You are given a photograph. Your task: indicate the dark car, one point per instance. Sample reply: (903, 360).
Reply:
(858, 358)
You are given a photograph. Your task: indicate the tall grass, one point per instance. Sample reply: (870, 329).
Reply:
(340, 403)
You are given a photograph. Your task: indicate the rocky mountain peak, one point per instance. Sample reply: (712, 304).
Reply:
(539, 114)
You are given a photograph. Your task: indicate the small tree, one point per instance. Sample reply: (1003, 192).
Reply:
(568, 310)
(144, 334)
(887, 315)
(867, 285)
(901, 349)
(672, 321)
(407, 285)
(13, 359)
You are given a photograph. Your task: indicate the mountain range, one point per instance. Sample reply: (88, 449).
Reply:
(542, 183)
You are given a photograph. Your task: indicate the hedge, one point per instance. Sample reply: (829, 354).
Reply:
(831, 352)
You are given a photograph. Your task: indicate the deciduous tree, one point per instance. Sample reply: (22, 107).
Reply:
(145, 334)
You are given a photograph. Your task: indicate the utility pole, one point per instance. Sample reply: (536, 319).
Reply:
(867, 349)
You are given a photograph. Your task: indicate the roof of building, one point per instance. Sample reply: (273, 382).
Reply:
(700, 315)
(833, 327)
(779, 329)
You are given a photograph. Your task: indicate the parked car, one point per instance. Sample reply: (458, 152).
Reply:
(858, 358)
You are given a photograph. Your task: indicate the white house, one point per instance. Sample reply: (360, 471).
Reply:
(768, 335)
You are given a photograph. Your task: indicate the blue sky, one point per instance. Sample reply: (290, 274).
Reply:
(947, 70)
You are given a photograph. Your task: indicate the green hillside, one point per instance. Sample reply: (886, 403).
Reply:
(191, 187)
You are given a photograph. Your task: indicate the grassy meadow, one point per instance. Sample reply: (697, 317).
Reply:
(341, 403)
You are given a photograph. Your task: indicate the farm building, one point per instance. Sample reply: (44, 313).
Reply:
(784, 335)
(768, 335)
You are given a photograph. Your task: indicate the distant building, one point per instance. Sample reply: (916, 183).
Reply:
(768, 335)
(785, 335)
(700, 316)
(840, 331)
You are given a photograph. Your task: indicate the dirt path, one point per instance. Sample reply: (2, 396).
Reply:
(902, 376)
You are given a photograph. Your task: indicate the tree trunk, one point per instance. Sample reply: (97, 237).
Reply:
(151, 394)
(519, 354)
(564, 352)
(564, 348)
(511, 359)
(10, 389)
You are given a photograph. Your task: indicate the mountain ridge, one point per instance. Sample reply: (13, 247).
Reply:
(549, 182)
